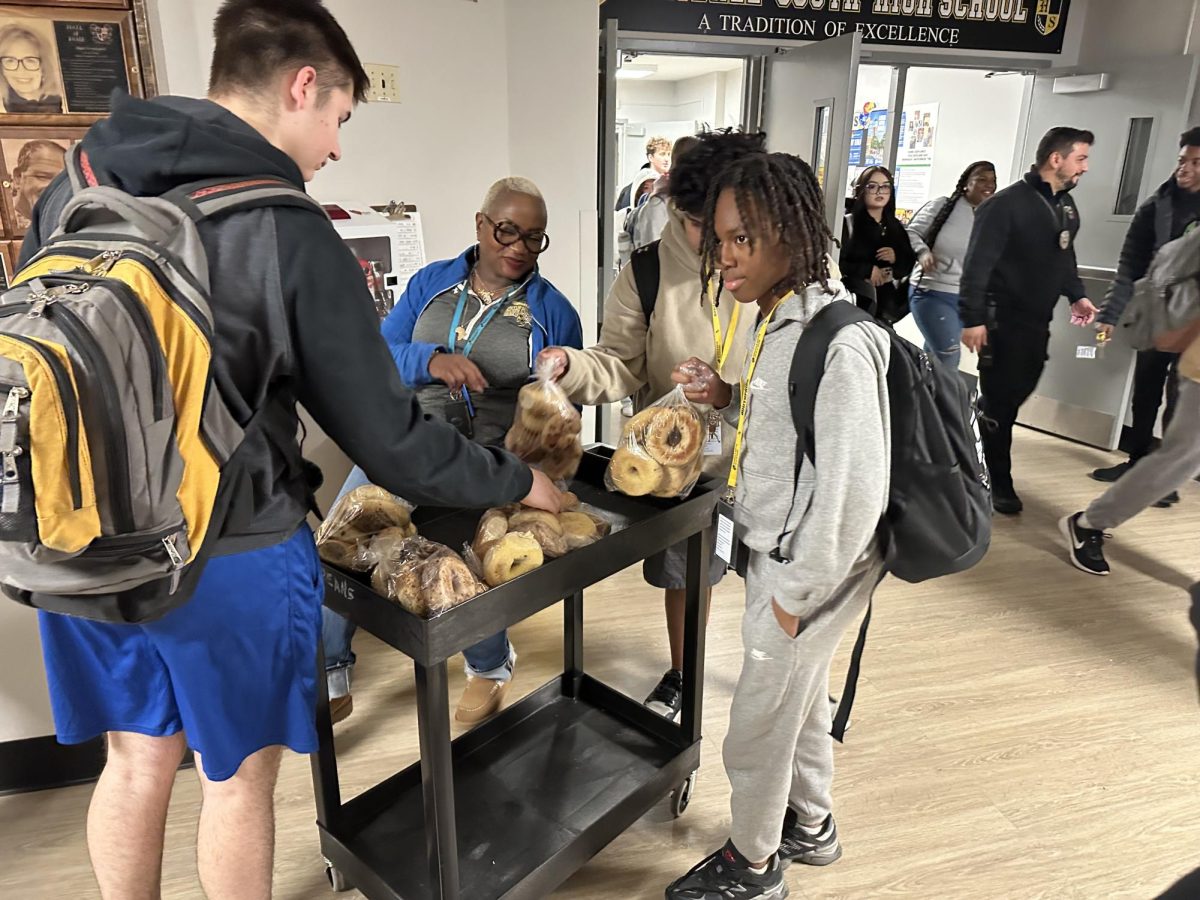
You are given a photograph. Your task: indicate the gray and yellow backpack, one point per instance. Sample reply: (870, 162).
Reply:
(118, 451)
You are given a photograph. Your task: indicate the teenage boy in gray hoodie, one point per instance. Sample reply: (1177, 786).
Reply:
(765, 230)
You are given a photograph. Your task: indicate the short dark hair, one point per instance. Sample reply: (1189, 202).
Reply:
(1190, 138)
(258, 40)
(1061, 140)
(692, 176)
(682, 147)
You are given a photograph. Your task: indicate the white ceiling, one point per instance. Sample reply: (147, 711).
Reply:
(680, 68)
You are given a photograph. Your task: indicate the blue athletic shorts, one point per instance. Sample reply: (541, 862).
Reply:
(235, 668)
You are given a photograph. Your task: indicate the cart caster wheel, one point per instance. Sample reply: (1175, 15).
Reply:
(682, 796)
(337, 880)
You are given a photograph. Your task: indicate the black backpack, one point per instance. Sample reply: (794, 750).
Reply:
(647, 272)
(939, 515)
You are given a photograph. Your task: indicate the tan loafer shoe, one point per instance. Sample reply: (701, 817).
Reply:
(481, 699)
(340, 708)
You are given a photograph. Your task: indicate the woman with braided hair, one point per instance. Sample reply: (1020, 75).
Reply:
(814, 558)
(940, 233)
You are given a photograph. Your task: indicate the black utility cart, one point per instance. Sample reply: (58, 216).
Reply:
(514, 807)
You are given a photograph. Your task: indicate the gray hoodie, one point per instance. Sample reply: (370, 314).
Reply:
(952, 242)
(827, 519)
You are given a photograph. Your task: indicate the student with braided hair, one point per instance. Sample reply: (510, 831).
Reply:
(940, 233)
(814, 560)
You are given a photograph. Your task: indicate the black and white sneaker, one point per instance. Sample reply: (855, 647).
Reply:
(667, 698)
(726, 875)
(1086, 546)
(813, 847)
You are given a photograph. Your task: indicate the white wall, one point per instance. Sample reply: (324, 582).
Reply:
(978, 118)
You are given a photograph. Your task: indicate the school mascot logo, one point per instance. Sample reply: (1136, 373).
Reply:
(1048, 16)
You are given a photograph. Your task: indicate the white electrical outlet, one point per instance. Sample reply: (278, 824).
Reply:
(385, 83)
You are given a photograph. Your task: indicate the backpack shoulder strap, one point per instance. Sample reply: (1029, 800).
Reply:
(218, 197)
(647, 272)
(808, 367)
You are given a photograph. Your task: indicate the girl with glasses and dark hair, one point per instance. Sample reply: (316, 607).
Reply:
(30, 85)
(464, 335)
(939, 234)
(876, 254)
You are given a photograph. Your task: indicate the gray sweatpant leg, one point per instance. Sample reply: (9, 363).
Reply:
(778, 750)
(1166, 469)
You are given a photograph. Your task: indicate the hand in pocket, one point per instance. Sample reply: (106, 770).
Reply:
(790, 624)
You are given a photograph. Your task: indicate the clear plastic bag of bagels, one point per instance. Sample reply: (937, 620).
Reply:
(357, 517)
(661, 450)
(546, 427)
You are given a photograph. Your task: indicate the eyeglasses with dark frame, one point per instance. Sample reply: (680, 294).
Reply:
(872, 187)
(507, 234)
(28, 63)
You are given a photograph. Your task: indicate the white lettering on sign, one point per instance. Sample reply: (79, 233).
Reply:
(922, 8)
(768, 25)
(339, 585)
(1085, 352)
(1012, 11)
(910, 34)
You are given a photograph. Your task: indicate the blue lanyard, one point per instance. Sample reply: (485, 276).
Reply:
(483, 323)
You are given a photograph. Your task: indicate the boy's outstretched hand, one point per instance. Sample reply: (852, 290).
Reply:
(701, 384)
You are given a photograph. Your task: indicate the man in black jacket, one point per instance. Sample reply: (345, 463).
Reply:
(1171, 211)
(1021, 259)
(232, 673)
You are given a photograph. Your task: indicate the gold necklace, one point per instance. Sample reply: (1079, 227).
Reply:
(486, 297)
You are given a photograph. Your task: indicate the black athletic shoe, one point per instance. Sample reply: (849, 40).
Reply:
(726, 875)
(1006, 502)
(1112, 473)
(1086, 546)
(1168, 501)
(667, 698)
(813, 848)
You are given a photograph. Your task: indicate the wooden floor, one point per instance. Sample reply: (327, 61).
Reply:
(1023, 730)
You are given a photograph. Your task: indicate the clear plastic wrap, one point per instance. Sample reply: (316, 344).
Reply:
(546, 429)
(423, 577)
(355, 518)
(661, 451)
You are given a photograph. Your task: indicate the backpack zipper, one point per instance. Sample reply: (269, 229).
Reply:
(138, 314)
(11, 478)
(70, 404)
(123, 546)
(116, 450)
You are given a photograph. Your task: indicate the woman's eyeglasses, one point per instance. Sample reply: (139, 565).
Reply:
(874, 188)
(29, 63)
(507, 234)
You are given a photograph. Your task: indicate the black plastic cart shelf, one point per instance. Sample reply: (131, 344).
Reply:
(512, 808)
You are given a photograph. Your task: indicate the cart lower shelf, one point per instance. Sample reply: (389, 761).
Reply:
(538, 790)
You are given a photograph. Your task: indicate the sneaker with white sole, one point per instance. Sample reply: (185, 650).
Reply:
(667, 698)
(1085, 546)
(726, 875)
(812, 846)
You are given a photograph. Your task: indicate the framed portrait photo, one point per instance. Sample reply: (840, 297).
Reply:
(30, 159)
(57, 62)
(10, 252)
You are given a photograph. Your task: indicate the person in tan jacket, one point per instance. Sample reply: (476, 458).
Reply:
(636, 357)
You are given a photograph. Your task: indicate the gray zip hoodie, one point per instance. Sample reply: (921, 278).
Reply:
(828, 517)
(952, 242)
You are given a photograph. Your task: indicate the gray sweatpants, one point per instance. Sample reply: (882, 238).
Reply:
(1167, 469)
(778, 751)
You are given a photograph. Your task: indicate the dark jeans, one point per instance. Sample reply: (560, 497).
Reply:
(1008, 374)
(1154, 368)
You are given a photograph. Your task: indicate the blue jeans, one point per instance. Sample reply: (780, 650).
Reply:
(491, 658)
(936, 314)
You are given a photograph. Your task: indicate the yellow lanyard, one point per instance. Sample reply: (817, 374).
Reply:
(744, 401)
(722, 345)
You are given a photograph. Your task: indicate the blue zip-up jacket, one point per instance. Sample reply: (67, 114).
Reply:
(555, 321)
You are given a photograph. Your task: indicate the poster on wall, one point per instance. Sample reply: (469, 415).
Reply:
(1025, 26)
(868, 139)
(914, 158)
(58, 62)
(30, 159)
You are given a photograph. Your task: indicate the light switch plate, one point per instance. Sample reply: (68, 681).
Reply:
(385, 83)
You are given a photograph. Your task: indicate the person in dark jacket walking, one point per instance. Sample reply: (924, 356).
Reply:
(1021, 259)
(232, 673)
(875, 246)
(1165, 216)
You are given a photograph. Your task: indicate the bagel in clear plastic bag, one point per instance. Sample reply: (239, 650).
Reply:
(355, 519)
(424, 577)
(661, 450)
(546, 428)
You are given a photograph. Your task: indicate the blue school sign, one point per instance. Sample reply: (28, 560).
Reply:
(1027, 26)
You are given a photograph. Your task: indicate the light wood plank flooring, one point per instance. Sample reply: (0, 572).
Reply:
(1022, 731)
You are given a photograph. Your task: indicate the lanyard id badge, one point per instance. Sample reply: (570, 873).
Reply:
(722, 346)
(460, 412)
